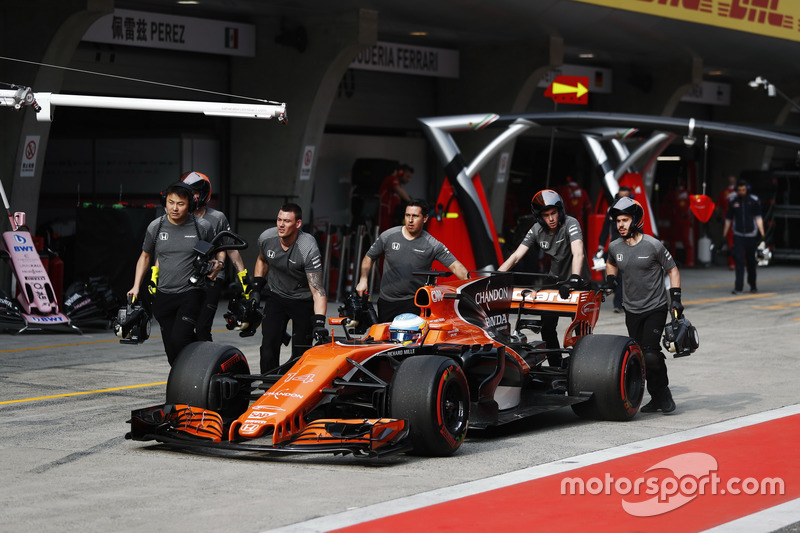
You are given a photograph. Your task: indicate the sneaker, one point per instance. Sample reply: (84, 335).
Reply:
(736, 292)
(664, 403)
(650, 407)
(667, 403)
(753, 289)
(617, 309)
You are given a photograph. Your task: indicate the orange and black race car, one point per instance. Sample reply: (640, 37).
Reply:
(371, 396)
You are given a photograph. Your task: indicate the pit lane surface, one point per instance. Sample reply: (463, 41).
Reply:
(65, 465)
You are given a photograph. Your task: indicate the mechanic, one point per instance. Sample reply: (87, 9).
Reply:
(219, 222)
(744, 216)
(391, 194)
(560, 236)
(170, 241)
(289, 266)
(609, 233)
(641, 261)
(407, 249)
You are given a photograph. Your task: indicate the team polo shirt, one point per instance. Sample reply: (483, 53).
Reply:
(558, 246)
(403, 257)
(743, 212)
(173, 248)
(287, 275)
(642, 268)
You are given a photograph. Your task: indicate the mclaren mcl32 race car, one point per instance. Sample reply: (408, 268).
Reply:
(382, 393)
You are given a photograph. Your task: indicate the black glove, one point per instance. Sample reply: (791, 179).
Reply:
(568, 286)
(611, 282)
(255, 289)
(676, 309)
(320, 332)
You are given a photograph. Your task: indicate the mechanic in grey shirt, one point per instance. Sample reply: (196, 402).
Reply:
(170, 242)
(289, 264)
(219, 222)
(560, 236)
(407, 248)
(642, 261)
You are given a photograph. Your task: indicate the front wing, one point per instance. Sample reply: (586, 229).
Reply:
(186, 426)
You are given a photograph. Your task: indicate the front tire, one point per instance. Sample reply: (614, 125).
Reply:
(191, 380)
(611, 368)
(432, 394)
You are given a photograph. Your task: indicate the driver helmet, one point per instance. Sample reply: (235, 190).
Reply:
(632, 208)
(201, 186)
(407, 328)
(545, 199)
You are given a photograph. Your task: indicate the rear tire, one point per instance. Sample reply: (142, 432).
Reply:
(190, 380)
(611, 367)
(432, 394)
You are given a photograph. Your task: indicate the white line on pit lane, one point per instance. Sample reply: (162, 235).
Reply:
(427, 499)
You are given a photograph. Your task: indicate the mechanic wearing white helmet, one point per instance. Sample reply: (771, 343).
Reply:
(641, 260)
(202, 193)
(289, 264)
(560, 236)
(408, 248)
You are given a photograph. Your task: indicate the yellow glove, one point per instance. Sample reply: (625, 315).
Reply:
(244, 281)
(151, 286)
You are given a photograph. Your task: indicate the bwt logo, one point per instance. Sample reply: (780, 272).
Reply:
(683, 478)
(19, 239)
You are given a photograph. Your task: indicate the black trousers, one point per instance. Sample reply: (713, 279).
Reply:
(744, 254)
(205, 319)
(177, 317)
(388, 310)
(646, 329)
(277, 313)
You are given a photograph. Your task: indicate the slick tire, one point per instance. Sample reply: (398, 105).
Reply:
(432, 394)
(611, 369)
(191, 380)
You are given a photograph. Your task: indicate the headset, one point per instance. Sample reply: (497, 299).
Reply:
(193, 202)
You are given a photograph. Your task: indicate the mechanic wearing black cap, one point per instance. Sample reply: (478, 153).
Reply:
(641, 260)
(289, 264)
(219, 222)
(560, 236)
(170, 241)
(744, 215)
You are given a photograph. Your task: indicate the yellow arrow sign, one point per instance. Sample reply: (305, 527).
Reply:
(560, 88)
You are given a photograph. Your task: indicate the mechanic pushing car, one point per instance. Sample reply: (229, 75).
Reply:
(170, 240)
(289, 265)
(641, 261)
(219, 222)
(560, 236)
(408, 249)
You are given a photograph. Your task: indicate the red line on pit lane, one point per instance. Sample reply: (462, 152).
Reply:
(758, 452)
